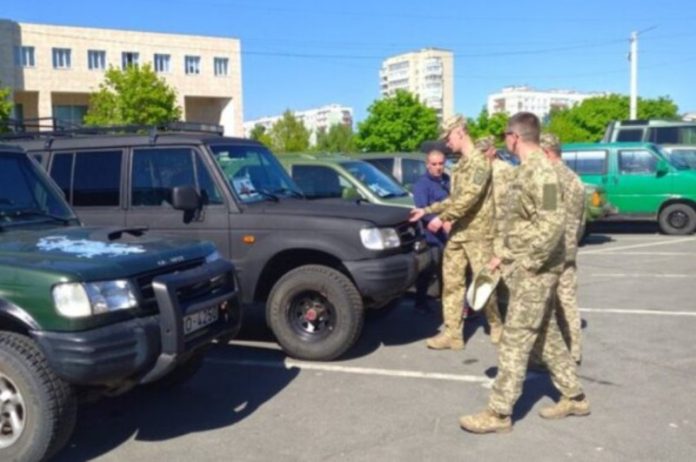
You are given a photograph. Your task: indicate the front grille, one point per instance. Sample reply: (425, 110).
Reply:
(148, 303)
(408, 233)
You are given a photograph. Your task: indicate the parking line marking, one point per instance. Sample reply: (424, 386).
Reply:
(639, 275)
(636, 246)
(629, 311)
(653, 254)
(290, 364)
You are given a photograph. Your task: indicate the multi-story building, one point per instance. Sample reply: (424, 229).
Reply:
(53, 69)
(315, 120)
(523, 98)
(427, 73)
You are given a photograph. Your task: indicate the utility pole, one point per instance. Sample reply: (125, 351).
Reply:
(633, 57)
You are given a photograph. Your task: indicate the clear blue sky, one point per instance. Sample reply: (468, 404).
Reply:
(299, 54)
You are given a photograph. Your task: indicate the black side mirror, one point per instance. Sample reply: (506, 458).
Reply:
(186, 198)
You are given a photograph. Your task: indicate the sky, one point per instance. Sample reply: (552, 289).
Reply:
(300, 54)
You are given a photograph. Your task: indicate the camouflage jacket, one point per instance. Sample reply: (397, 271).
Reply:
(533, 229)
(469, 206)
(574, 202)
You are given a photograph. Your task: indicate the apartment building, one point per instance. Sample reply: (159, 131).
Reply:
(427, 73)
(523, 98)
(315, 120)
(53, 69)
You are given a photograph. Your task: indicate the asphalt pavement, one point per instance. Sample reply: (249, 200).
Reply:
(390, 398)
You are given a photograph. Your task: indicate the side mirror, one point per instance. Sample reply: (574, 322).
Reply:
(186, 198)
(662, 167)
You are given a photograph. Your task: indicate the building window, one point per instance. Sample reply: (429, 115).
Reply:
(192, 65)
(129, 58)
(220, 65)
(61, 58)
(96, 60)
(162, 63)
(24, 56)
(69, 115)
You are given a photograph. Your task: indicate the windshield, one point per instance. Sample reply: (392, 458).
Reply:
(254, 173)
(26, 193)
(683, 159)
(376, 181)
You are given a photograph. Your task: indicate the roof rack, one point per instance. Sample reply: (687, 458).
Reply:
(32, 129)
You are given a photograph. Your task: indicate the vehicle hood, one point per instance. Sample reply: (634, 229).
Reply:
(378, 215)
(404, 201)
(92, 253)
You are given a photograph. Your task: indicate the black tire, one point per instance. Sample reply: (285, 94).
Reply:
(677, 219)
(315, 312)
(180, 375)
(45, 405)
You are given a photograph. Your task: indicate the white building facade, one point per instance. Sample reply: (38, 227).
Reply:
(511, 100)
(427, 73)
(53, 69)
(315, 120)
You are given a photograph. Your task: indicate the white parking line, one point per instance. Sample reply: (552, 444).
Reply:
(290, 364)
(639, 275)
(629, 311)
(636, 246)
(651, 254)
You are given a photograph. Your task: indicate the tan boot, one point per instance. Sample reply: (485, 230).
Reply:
(443, 341)
(496, 333)
(566, 407)
(486, 421)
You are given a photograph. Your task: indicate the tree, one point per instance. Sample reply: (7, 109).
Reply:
(485, 124)
(339, 138)
(133, 96)
(289, 134)
(588, 120)
(397, 123)
(5, 107)
(259, 134)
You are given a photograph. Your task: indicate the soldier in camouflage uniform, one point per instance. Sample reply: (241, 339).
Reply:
(574, 202)
(530, 254)
(470, 244)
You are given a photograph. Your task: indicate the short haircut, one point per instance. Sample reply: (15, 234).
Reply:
(434, 152)
(550, 142)
(526, 125)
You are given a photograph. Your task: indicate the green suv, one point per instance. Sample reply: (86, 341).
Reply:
(640, 182)
(93, 310)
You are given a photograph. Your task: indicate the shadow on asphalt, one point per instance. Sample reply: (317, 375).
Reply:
(219, 395)
(537, 385)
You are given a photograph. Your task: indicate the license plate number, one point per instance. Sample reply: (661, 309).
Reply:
(200, 319)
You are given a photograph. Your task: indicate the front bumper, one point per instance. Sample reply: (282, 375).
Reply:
(145, 349)
(388, 277)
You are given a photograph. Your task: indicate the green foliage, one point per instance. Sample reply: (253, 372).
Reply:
(339, 138)
(289, 134)
(133, 96)
(397, 123)
(5, 107)
(485, 125)
(259, 134)
(588, 120)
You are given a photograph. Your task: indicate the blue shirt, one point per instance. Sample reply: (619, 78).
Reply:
(427, 190)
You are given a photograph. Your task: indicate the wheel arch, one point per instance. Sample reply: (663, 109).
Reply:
(676, 200)
(15, 319)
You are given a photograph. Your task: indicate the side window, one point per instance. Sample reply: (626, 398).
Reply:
(156, 171)
(209, 192)
(411, 170)
(637, 161)
(97, 179)
(632, 134)
(317, 181)
(590, 162)
(61, 172)
(570, 159)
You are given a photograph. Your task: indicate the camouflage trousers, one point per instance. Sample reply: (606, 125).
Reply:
(456, 258)
(567, 310)
(530, 319)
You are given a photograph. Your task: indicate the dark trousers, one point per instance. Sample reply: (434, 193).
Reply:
(432, 274)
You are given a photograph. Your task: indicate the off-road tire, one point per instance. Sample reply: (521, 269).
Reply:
(344, 302)
(677, 219)
(50, 406)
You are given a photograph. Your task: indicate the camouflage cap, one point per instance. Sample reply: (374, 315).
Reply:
(485, 143)
(450, 124)
(550, 141)
(481, 288)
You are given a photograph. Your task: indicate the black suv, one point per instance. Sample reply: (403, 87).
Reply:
(93, 310)
(317, 265)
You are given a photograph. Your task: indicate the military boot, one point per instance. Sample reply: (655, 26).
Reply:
(487, 421)
(444, 341)
(566, 407)
(496, 333)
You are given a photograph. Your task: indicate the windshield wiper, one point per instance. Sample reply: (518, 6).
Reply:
(267, 194)
(34, 213)
(290, 192)
(390, 195)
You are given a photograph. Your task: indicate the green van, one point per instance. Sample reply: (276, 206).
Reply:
(640, 182)
(321, 176)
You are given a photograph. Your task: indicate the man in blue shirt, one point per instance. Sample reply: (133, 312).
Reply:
(433, 186)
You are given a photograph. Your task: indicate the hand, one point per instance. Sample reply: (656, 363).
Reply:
(434, 225)
(415, 214)
(494, 264)
(447, 226)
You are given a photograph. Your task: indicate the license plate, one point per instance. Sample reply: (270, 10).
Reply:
(200, 319)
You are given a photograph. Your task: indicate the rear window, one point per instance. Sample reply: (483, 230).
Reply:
(586, 162)
(633, 134)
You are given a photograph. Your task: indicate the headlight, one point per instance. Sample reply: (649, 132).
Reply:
(379, 238)
(75, 300)
(213, 256)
